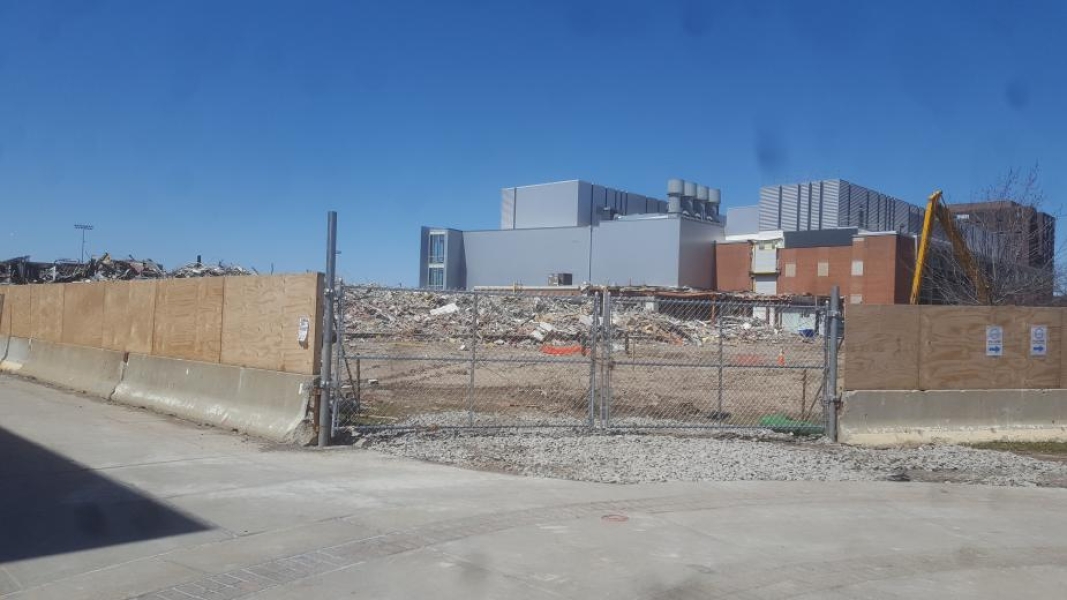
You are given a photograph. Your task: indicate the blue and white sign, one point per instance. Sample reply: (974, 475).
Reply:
(994, 340)
(1038, 340)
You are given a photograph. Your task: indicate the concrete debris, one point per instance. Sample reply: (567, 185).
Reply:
(444, 310)
(21, 270)
(373, 312)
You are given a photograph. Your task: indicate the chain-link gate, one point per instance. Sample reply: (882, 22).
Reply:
(409, 359)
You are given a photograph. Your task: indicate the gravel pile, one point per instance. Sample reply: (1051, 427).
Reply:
(634, 458)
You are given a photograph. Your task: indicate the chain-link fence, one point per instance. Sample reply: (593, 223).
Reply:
(417, 358)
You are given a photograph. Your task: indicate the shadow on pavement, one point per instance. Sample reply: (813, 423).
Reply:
(52, 505)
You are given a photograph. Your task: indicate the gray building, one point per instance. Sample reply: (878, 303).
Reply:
(834, 203)
(571, 232)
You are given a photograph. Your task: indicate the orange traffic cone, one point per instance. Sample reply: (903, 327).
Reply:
(781, 357)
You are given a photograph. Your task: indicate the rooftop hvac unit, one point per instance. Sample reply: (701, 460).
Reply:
(561, 279)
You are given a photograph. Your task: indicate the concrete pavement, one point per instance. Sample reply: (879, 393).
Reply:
(105, 501)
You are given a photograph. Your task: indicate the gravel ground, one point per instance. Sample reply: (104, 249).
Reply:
(761, 455)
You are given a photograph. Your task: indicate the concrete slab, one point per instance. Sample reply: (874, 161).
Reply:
(269, 404)
(91, 370)
(893, 417)
(279, 523)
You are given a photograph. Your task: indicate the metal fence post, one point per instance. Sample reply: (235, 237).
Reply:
(830, 387)
(339, 340)
(474, 358)
(605, 375)
(594, 328)
(326, 370)
(718, 411)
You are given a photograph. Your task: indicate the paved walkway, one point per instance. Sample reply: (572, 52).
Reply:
(103, 501)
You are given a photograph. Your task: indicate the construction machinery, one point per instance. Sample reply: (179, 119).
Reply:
(935, 208)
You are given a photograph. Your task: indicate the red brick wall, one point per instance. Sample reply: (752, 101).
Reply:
(733, 264)
(807, 279)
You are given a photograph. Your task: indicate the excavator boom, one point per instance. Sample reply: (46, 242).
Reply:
(936, 209)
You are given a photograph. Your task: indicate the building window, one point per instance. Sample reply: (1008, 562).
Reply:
(824, 268)
(857, 268)
(435, 278)
(437, 248)
(856, 299)
(790, 269)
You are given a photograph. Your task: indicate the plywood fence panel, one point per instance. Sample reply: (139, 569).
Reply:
(141, 313)
(46, 312)
(115, 330)
(1027, 371)
(83, 314)
(20, 310)
(188, 319)
(209, 303)
(253, 317)
(303, 294)
(952, 349)
(881, 348)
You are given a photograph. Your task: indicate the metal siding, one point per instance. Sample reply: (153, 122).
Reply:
(548, 205)
(642, 252)
(765, 284)
(507, 208)
(768, 208)
(696, 253)
(764, 261)
(525, 256)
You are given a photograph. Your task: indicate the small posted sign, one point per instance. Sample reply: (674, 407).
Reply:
(303, 328)
(994, 340)
(1038, 340)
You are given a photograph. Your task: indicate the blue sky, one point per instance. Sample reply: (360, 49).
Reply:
(228, 128)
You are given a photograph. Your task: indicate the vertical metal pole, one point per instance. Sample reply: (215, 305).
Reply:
(474, 359)
(338, 353)
(594, 328)
(718, 410)
(833, 329)
(605, 374)
(326, 372)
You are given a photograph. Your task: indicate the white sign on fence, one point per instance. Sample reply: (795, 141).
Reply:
(994, 340)
(1038, 340)
(302, 330)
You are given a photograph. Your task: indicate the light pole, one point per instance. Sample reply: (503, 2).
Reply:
(83, 229)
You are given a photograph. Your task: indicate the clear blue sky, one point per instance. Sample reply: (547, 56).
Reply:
(228, 128)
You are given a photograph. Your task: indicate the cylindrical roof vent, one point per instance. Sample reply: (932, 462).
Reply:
(675, 187)
(702, 192)
(690, 190)
(714, 195)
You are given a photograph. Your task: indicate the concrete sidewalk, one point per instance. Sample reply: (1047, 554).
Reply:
(104, 501)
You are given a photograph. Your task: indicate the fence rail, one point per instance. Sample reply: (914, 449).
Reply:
(443, 359)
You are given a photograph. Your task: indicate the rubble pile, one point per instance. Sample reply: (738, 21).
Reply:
(21, 270)
(196, 269)
(372, 312)
(375, 312)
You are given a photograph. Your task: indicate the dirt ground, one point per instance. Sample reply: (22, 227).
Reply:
(649, 381)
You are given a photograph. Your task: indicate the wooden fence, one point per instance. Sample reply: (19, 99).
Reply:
(249, 321)
(954, 348)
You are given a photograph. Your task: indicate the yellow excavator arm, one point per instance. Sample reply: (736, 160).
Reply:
(936, 209)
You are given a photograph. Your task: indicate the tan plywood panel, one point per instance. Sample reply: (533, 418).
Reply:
(303, 294)
(209, 303)
(19, 308)
(881, 347)
(953, 349)
(46, 313)
(187, 319)
(141, 316)
(115, 328)
(83, 314)
(253, 315)
(1028, 371)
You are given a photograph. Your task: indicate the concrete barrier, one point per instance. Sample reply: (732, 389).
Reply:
(886, 418)
(268, 404)
(83, 369)
(16, 351)
(4, 340)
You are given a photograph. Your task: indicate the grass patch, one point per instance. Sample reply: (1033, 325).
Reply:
(1025, 447)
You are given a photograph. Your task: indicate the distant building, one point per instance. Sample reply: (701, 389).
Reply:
(574, 232)
(800, 239)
